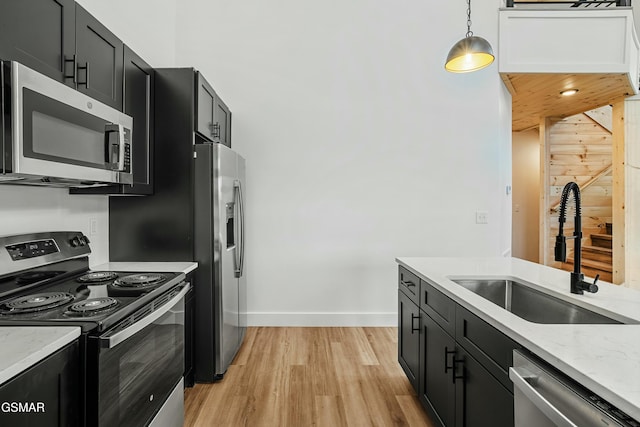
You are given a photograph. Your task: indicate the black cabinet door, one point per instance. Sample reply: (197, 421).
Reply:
(99, 67)
(39, 34)
(206, 106)
(138, 89)
(437, 374)
(51, 389)
(409, 338)
(481, 400)
(221, 123)
(138, 103)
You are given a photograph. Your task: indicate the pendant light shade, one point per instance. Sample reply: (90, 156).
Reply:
(471, 53)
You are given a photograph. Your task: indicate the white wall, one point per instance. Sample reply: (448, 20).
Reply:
(34, 209)
(526, 195)
(147, 27)
(360, 148)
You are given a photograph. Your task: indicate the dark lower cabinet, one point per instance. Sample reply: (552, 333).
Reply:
(47, 394)
(462, 361)
(437, 383)
(480, 399)
(409, 338)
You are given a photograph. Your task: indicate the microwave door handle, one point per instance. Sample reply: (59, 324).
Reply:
(114, 151)
(118, 338)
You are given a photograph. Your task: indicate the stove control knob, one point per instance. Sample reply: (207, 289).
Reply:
(86, 240)
(75, 242)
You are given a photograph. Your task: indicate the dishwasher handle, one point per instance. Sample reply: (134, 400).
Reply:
(525, 381)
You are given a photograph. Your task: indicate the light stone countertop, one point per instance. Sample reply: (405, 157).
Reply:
(603, 358)
(148, 267)
(23, 346)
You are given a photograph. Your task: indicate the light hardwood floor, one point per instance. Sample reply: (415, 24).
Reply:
(310, 377)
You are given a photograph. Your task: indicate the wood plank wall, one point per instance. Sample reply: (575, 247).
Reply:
(579, 149)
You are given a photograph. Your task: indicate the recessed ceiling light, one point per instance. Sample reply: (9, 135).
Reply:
(569, 92)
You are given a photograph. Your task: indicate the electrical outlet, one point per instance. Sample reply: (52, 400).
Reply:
(482, 217)
(93, 226)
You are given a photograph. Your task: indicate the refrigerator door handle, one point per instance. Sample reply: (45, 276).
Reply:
(237, 199)
(241, 228)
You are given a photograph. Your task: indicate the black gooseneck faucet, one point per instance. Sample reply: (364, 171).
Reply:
(578, 285)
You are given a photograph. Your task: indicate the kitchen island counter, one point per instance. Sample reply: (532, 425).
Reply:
(604, 358)
(24, 346)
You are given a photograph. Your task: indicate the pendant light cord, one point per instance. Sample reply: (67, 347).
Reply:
(469, 32)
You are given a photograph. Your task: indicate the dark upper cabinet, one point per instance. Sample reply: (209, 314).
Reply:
(139, 80)
(41, 35)
(205, 102)
(222, 123)
(62, 40)
(99, 60)
(213, 118)
(138, 93)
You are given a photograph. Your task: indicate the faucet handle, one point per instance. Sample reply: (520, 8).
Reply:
(593, 288)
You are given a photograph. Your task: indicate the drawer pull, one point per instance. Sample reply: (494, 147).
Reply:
(408, 284)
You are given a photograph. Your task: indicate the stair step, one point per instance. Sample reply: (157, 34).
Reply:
(590, 272)
(602, 240)
(596, 265)
(597, 253)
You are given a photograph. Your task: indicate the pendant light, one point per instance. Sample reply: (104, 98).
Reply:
(471, 53)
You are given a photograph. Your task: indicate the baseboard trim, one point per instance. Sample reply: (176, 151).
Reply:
(322, 319)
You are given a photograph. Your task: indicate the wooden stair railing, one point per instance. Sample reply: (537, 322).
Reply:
(556, 203)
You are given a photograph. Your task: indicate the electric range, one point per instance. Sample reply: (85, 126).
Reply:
(132, 340)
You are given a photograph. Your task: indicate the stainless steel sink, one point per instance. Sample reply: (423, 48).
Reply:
(531, 304)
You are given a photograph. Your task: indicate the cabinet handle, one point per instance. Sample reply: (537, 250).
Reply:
(408, 284)
(413, 318)
(455, 377)
(73, 68)
(447, 352)
(216, 130)
(86, 74)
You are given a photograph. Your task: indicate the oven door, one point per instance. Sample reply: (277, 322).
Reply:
(61, 133)
(139, 365)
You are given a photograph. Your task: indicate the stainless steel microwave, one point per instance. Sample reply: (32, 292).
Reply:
(54, 135)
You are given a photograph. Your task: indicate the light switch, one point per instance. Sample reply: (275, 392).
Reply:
(482, 217)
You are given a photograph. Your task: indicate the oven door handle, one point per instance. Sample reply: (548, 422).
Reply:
(119, 337)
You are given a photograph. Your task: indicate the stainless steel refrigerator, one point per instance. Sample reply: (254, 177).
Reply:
(219, 249)
(195, 214)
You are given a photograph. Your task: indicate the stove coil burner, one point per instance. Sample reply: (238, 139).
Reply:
(144, 280)
(36, 302)
(92, 306)
(98, 277)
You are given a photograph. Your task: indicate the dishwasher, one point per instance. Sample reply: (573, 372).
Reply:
(543, 397)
